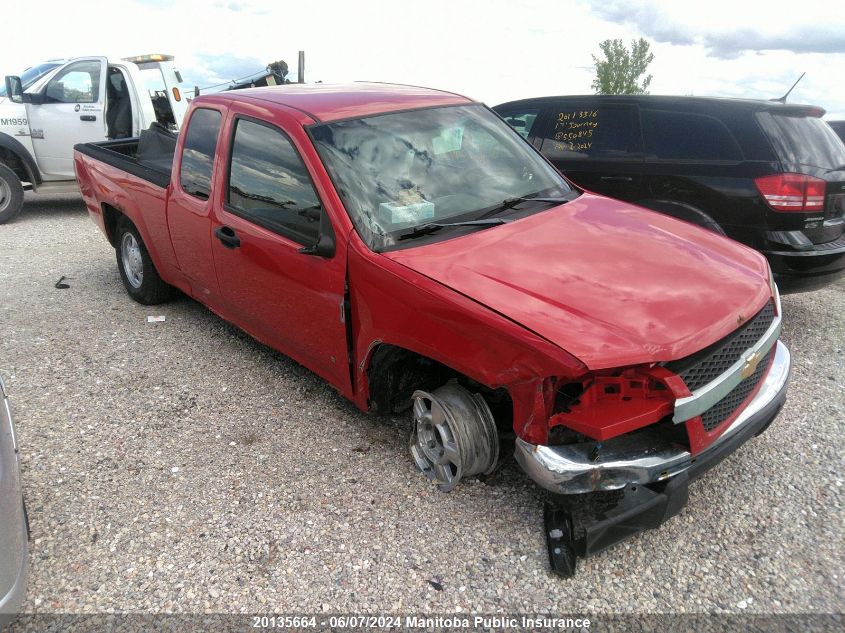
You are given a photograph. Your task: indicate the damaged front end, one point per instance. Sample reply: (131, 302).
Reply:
(622, 447)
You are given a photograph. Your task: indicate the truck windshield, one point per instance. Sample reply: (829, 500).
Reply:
(31, 75)
(451, 164)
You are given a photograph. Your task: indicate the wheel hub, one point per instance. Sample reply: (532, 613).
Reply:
(454, 435)
(133, 263)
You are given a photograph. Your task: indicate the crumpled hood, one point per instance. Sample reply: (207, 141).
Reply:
(611, 283)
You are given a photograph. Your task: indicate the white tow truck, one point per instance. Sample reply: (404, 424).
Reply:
(53, 106)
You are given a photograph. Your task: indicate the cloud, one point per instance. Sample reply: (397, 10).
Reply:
(816, 39)
(684, 25)
(648, 18)
(237, 6)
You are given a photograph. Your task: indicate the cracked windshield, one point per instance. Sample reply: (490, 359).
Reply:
(399, 171)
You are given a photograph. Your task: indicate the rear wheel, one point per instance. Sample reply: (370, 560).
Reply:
(139, 276)
(11, 194)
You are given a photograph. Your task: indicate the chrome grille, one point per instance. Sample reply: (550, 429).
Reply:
(722, 410)
(702, 367)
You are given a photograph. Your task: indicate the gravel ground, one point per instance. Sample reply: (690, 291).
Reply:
(182, 466)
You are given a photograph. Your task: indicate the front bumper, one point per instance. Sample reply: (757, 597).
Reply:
(638, 459)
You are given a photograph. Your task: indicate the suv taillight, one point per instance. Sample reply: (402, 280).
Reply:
(792, 192)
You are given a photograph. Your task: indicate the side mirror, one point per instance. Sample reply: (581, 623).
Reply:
(323, 248)
(14, 89)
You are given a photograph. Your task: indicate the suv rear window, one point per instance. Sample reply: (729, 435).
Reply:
(687, 136)
(805, 140)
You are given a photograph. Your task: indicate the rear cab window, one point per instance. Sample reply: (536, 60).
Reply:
(578, 131)
(269, 184)
(198, 152)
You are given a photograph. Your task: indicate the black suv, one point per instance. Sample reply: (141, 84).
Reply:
(767, 174)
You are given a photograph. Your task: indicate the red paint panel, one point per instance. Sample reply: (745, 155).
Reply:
(613, 284)
(613, 405)
(141, 202)
(396, 306)
(331, 102)
(605, 420)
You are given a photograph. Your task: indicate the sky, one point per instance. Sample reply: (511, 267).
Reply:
(493, 51)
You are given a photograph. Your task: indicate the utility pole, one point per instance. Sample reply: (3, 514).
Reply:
(302, 67)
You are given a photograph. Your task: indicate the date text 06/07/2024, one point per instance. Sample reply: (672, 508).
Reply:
(421, 622)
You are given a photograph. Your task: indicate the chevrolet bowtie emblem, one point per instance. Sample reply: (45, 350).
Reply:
(750, 365)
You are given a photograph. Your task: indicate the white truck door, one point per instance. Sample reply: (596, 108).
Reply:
(178, 101)
(164, 84)
(69, 109)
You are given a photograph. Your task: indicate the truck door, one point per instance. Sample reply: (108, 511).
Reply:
(190, 201)
(269, 212)
(69, 109)
(164, 84)
(173, 87)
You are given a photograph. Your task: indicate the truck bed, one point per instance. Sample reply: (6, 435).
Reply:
(149, 156)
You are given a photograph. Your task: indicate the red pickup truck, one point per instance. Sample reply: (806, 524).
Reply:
(413, 250)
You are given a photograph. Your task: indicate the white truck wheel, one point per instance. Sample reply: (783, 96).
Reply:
(11, 194)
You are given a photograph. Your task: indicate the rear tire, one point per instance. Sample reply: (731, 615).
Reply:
(139, 275)
(11, 194)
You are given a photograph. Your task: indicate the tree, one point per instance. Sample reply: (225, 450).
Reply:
(620, 71)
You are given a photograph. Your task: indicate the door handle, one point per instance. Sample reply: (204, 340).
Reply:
(227, 236)
(87, 117)
(616, 179)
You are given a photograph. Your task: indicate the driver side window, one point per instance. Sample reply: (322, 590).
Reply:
(269, 184)
(78, 83)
